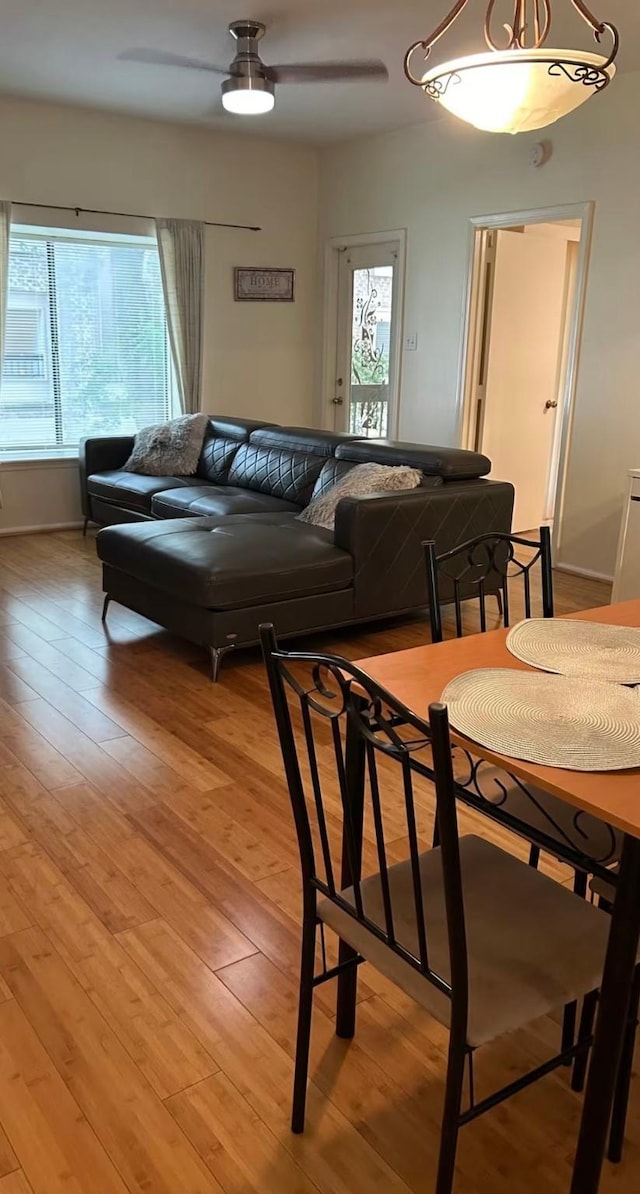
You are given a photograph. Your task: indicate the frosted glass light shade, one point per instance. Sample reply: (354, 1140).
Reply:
(515, 91)
(247, 96)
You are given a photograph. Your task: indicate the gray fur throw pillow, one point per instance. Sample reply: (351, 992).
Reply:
(169, 449)
(362, 479)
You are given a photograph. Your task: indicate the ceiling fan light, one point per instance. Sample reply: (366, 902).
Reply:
(516, 91)
(247, 95)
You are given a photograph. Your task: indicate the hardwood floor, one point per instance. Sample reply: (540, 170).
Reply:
(149, 936)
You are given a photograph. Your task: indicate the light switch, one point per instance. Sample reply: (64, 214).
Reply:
(411, 342)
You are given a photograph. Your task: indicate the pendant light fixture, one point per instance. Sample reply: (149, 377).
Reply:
(520, 85)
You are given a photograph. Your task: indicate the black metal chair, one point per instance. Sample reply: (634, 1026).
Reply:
(483, 566)
(492, 563)
(467, 573)
(481, 940)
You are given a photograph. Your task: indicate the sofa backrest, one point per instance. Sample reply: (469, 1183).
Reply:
(332, 471)
(298, 463)
(452, 464)
(283, 461)
(221, 442)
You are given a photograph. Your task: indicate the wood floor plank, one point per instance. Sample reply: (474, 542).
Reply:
(240, 902)
(337, 1160)
(52, 1139)
(10, 650)
(71, 704)
(12, 689)
(213, 936)
(158, 742)
(27, 746)
(49, 657)
(11, 832)
(90, 870)
(140, 1135)
(93, 764)
(97, 816)
(91, 660)
(231, 1138)
(13, 915)
(229, 834)
(164, 1050)
(8, 1160)
(15, 1183)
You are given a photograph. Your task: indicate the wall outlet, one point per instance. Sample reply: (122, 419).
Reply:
(411, 342)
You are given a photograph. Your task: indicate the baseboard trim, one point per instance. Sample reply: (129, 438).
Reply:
(38, 530)
(586, 572)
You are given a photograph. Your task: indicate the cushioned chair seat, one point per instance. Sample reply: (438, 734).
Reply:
(517, 972)
(133, 491)
(226, 565)
(215, 500)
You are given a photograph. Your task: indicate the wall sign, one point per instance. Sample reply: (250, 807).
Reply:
(264, 285)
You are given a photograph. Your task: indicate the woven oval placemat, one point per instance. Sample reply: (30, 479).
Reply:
(560, 721)
(573, 647)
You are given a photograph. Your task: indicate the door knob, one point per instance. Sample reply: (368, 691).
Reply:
(337, 401)
(550, 405)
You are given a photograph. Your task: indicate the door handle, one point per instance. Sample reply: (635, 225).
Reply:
(337, 401)
(550, 405)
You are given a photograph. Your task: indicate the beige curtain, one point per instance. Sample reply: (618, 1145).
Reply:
(181, 249)
(5, 226)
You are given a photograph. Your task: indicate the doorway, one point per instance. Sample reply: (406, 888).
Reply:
(526, 299)
(363, 335)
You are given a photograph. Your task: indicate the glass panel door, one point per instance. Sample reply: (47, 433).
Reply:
(364, 401)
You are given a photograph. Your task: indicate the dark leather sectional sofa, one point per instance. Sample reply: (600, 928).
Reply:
(212, 556)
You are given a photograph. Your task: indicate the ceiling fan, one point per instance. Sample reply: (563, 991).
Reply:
(250, 84)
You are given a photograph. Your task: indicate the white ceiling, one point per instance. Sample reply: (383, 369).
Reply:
(67, 51)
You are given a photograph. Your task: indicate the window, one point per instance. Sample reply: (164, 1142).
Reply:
(86, 349)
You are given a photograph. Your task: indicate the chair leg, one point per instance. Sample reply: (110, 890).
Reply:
(534, 857)
(347, 994)
(621, 1099)
(451, 1117)
(84, 528)
(587, 1018)
(500, 603)
(580, 883)
(303, 1039)
(569, 1017)
(571, 1010)
(105, 607)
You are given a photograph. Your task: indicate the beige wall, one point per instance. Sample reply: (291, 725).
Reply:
(431, 179)
(258, 356)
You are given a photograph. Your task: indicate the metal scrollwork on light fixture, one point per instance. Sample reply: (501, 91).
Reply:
(520, 85)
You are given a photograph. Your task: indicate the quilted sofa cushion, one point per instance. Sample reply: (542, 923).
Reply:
(332, 471)
(280, 472)
(133, 491)
(216, 500)
(227, 565)
(216, 457)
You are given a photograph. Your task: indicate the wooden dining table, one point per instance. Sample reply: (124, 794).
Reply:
(418, 677)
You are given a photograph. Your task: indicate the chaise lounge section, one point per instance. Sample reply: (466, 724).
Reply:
(245, 558)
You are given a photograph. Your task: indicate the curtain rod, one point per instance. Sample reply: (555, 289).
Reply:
(95, 211)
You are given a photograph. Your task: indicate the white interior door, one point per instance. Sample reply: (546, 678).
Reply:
(524, 363)
(365, 395)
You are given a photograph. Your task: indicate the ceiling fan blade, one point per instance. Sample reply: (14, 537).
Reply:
(162, 58)
(322, 72)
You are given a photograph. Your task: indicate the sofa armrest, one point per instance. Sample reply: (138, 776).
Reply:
(384, 535)
(100, 454)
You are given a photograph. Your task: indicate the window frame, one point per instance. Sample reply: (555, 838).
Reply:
(47, 234)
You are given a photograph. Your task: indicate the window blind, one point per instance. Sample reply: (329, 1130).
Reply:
(86, 349)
